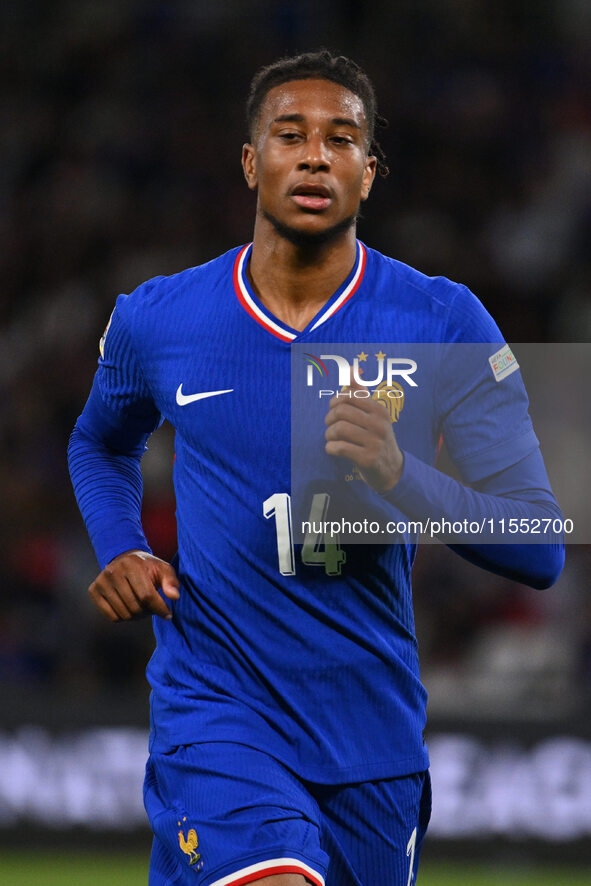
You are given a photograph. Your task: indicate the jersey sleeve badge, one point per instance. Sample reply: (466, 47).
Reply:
(503, 363)
(104, 336)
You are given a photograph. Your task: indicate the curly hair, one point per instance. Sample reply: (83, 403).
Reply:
(321, 65)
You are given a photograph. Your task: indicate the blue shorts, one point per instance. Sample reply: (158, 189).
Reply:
(225, 814)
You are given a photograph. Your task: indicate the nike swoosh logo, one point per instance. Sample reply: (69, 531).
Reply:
(184, 399)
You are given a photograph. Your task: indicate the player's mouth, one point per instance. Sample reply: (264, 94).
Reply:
(311, 196)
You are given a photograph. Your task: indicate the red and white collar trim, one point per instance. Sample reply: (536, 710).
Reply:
(277, 329)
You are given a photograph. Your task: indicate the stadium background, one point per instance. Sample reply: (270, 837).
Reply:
(121, 129)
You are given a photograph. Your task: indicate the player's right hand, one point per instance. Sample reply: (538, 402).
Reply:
(127, 588)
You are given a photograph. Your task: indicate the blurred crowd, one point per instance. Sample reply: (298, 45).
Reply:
(121, 130)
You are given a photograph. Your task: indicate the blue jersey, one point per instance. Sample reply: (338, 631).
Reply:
(319, 670)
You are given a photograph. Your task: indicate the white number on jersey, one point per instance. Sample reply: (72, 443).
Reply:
(279, 505)
(319, 548)
(333, 556)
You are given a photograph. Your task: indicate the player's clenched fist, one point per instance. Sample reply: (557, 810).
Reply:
(128, 587)
(359, 428)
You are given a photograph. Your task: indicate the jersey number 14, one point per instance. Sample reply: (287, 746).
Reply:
(319, 548)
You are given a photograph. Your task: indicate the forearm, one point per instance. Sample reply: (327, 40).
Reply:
(521, 491)
(536, 565)
(108, 487)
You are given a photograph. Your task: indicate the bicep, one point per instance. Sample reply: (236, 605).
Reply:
(120, 413)
(124, 431)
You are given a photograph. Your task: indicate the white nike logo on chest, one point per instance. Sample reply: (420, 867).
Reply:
(184, 399)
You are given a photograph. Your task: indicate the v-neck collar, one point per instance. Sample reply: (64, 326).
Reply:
(257, 310)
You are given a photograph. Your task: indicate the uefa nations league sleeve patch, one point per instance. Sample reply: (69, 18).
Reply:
(104, 336)
(503, 363)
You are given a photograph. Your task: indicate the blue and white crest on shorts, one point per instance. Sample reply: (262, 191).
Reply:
(503, 363)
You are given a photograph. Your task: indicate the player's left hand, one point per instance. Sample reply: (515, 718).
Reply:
(359, 428)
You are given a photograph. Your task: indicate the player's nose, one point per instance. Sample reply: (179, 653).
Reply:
(315, 155)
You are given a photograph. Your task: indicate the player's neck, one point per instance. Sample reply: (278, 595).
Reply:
(295, 281)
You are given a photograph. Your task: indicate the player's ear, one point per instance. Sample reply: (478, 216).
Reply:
(249, 166)
(369, 173)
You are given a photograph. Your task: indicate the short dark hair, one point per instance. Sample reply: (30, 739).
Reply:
(321, 65)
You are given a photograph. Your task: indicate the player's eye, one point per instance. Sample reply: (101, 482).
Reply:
(289, 136)
(341, 140)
